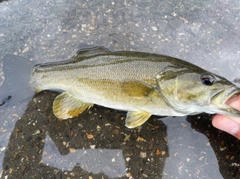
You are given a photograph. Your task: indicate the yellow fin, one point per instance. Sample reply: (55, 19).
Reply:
(67, 106)
(136, 118)
(136, 88)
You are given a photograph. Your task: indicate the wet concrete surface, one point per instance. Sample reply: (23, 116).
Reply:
(34, 144)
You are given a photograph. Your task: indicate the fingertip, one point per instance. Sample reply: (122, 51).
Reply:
(216, 119)
(225, 124)
(234, 102)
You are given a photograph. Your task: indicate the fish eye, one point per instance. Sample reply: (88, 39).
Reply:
(207, 80)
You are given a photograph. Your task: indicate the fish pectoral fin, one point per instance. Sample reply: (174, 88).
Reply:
(136, 88)
(136, 118)
(67, 106)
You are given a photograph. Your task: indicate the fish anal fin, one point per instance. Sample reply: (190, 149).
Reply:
(136, 88)
(136, 118)
(67, 106)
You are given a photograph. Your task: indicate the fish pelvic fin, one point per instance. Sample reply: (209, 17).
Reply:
(17, 73)
(136, 118)
(67, 106)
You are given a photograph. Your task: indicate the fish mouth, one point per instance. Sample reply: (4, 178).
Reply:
(234, 91)
(220, 98)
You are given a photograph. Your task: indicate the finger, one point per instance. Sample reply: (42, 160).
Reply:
(233, 118)
(234, 102)
(226, 124)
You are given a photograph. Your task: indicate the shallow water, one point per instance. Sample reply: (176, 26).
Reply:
(35, 144)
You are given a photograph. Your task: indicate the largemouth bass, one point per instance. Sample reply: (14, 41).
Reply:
(143, 84)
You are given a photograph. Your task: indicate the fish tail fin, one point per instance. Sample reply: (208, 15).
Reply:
(15, 88)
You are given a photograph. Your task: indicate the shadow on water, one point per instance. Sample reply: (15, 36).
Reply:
(225, 146)
(95, 144)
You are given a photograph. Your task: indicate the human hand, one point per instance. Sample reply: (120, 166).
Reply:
(229, 124)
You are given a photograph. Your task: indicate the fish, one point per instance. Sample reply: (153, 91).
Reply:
(143, 84)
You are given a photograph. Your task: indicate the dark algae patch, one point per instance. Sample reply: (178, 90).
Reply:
(143, 150)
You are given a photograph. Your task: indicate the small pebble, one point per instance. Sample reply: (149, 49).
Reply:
(143, 154)
(154, 28)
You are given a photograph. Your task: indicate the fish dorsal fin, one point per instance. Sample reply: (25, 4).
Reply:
(89, 52)
(67, 106)
(136, 88)
(136, 118)
(171, 72)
